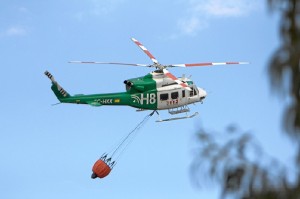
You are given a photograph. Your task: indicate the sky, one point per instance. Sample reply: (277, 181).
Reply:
(48, 151)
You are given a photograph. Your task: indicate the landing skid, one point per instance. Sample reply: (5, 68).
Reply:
(177, 118)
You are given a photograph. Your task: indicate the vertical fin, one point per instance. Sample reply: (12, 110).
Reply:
(56, 88)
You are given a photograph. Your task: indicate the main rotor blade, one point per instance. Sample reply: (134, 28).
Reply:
(115, 63)
(206, 64)
(175, 79)
(145, 50)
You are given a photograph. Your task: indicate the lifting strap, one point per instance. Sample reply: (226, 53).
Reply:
(120, 148)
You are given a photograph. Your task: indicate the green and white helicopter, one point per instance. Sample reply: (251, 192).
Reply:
(158, 90)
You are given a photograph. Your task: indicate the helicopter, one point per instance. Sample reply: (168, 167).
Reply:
(156, 91)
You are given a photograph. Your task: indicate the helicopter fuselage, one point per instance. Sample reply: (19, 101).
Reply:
(153, 91)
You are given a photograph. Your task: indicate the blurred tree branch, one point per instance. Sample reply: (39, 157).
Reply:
(284, 66)
(234, 159)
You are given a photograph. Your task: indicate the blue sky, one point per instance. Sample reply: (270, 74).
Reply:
(48, 151)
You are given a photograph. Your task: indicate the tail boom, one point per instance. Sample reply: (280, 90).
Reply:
(63, 96)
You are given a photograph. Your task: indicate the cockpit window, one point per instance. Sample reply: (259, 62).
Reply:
(193, 92)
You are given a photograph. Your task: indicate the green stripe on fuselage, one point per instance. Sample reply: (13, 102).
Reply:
(142, 94)
(146, 100)
(100, 99)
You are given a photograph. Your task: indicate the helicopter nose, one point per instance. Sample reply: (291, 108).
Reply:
(202, 94)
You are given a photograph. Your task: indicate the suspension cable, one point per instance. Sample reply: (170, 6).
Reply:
(135, 130)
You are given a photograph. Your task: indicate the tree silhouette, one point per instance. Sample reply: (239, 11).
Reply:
(238, 162)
